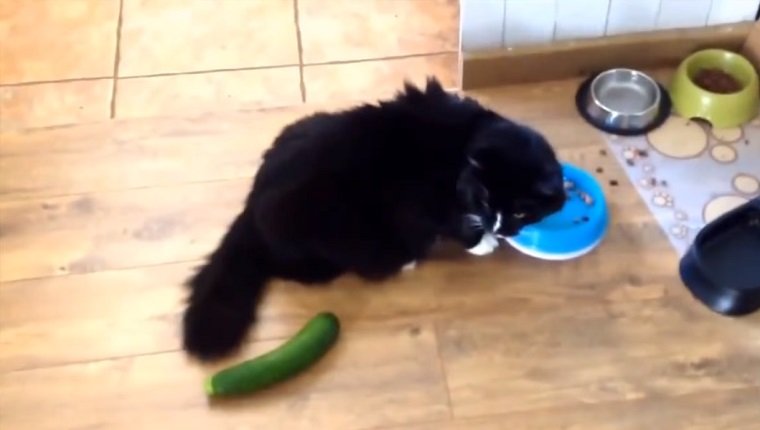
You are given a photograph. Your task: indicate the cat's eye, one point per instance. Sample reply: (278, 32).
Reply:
(519, 215)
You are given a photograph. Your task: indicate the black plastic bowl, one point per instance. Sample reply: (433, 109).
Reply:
(722, 266)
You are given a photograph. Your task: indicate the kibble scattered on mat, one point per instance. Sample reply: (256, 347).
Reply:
(614, 182)
(599, 170)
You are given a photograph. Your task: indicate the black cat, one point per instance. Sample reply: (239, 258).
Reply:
(369, 190)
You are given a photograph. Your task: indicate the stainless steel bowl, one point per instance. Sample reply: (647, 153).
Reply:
(623, 99)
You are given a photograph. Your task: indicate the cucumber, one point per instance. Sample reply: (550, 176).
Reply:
(284, 362)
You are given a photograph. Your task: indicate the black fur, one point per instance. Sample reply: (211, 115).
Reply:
(369, 190)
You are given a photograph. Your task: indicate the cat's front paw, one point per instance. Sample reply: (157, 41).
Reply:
(408, 267)
(488, 243)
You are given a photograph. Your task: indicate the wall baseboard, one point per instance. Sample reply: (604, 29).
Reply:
(581, 57)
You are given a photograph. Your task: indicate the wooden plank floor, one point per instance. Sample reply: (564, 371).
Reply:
(101, 223)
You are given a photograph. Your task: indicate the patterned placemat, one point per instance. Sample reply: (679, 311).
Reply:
(688, 173)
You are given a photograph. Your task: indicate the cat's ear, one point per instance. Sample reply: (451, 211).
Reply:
(434, 87)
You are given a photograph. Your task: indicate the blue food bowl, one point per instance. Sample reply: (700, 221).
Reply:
(573, 231)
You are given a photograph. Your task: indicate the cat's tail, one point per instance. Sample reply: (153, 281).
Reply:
(225, 293)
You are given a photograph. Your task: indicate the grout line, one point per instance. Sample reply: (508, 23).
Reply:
(239, 69)
(392, 57)
(200, 72)
(607, 18)
(55, 81)
(460, 49)
(709, 12)
(503, 41)
(153, 75)
(299, 43)
(556, 18)
(657, 17)
(117, 59)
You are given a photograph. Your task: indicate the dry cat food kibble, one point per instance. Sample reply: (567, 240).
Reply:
(571, 189)
(587, 199)
(717, 81)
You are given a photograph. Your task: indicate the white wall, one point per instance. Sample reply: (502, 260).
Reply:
(489, 24)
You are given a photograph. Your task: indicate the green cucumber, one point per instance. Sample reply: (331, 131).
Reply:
(284, 362)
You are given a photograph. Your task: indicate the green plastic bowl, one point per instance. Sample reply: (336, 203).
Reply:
(721, 110)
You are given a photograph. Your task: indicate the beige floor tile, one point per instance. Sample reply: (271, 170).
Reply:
(58, 103)
(205, 92)
(380, 78)
(172, 36)
(344, 30)
(45, 40)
